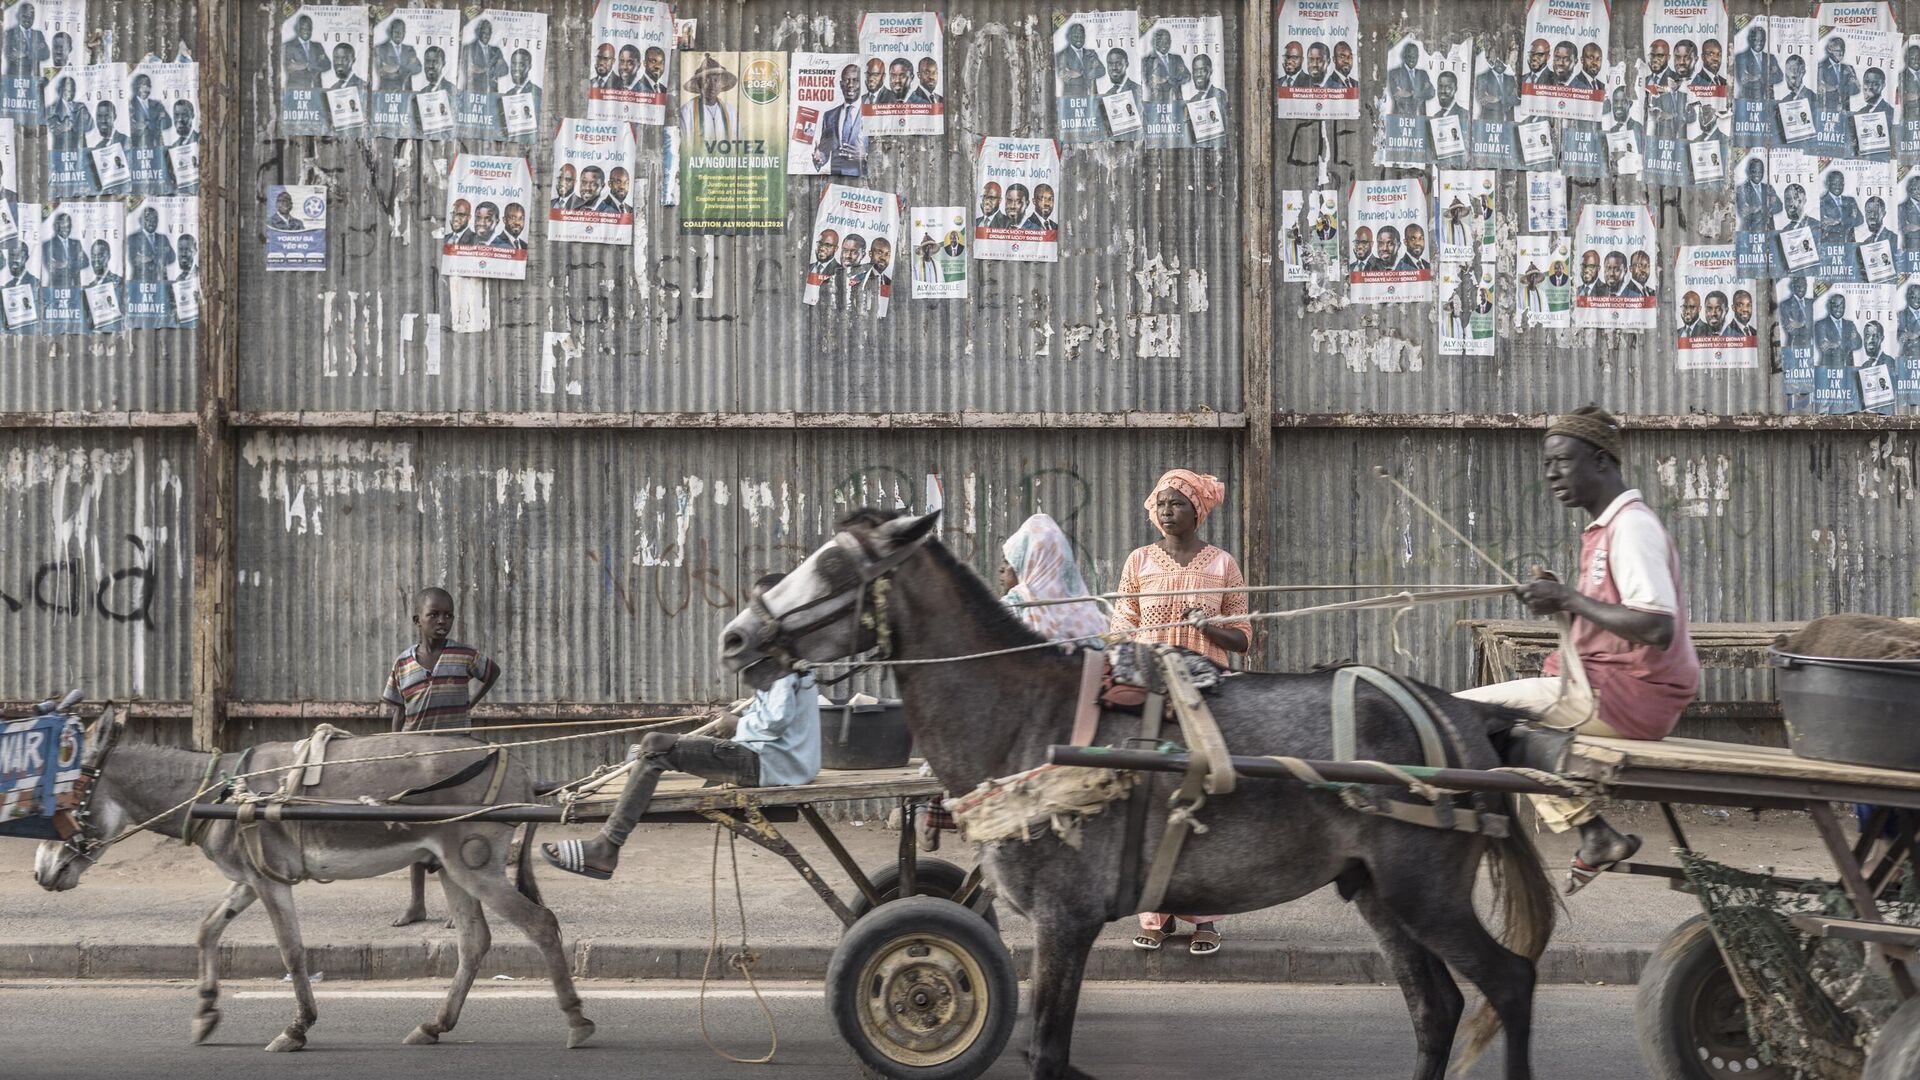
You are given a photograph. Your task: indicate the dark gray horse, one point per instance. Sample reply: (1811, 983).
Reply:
(139, 782)
(1266, 844)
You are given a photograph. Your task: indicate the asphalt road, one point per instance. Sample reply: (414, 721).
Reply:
(651, 1030)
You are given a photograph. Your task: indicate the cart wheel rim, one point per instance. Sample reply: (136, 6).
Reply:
(924, 999)
(1717, 1028)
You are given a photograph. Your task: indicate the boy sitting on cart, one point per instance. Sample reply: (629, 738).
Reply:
(774, 742)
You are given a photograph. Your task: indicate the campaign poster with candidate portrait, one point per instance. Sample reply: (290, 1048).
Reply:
(1309, 233)
(854, 249)
(1906, 219)
(412, 72)
(163, 128)
(163, 261)
(82, 283)
(1496, 95)
(296, 227)
(1758, 77)
(1543, 282)
(489, 217)
(1756, 205)
(20, 283)
(1317, 45)
(1405, 96)
(501, 76)
(1853, 108)
(39, 35)
(1183, 82)
(86, 135)
(1616, 251)
(633, 52)
(1624, 132)
(1390, 261)
(592, 192)
(1793, 317)
(1466, 309)
(1855, 327)
(1566, 53)
(1449, 124)
(1794, 44)
(323, 69)
(1851, 208)
(1907, 139)
(1096, 89)
(1463, 219)
(910, 48)
(826, 133)
(939, 258)
(1714, 310)
(1016, 186)
(733, 142)
(1588, 149)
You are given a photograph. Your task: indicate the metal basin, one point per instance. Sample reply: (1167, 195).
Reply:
(1860, 712)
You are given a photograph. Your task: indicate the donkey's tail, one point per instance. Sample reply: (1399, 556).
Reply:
(523, 864)
(1525, 898)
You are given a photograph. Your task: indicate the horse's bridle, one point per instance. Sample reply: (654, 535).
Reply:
(73, 825)
(864, 592)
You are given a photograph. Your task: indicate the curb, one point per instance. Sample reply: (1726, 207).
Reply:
(1243, 961)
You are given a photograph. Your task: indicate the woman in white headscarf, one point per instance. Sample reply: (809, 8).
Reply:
(1037, 564)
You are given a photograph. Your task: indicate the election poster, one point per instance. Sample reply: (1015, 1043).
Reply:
(633, 50)
(1543, 290)
(1757, 77)
(162, 261)
(1851, 335)
(1624, 131)
(39, 35)
(1182, 68)
(487, 217)
(1449, 125)
(323, 70)
(592, 203)
(1853, 116)
(1906, 327)
(733, 161)
(825, 132)
(1756, 206)
(296, 227)
(856, 235)
(1309, 233)
(1619, 268)
(1466, 309)
(503, 67)
(20, 284)
(87, 150)
(413, 51)
(1496, 94)
(1547, 202)
(939, 235)
(910, 48)
(1586, 146)
(1795, 248)
(1793, 318)
(1317, 44)
(1095, 93)
(1855, 243)
(1688, 96)
(163, 128)
(82, 283)
(1907, 139)
(1794, 43)
(1567, 48)
(1713, 310)
(1856, 14)
(1016, 186)
(1387, 230)
(1402, 137)
(1464, 228)
(1906, 220)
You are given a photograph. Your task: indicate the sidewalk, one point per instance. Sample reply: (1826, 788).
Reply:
(135, 915)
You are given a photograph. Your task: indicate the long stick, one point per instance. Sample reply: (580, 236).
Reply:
(1351, 772)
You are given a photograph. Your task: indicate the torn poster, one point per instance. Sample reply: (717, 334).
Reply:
(1096, 97)
(163, 262)
(1466, 309)
(1464, 220)
(1543, 291)
(592, 199)
(297, 227)
(323, 70)
(1496, 94)
(910, 48)
(633, 50)
(1309, 233)
(1016, 185)
(733, 162)
(413, 50)
(856, 233)
(826, 133)
(1387, 226)
(1619, 276)
(20, 285)
(939, 235)
(1713, 322)
(1317, 45)
(487, 219)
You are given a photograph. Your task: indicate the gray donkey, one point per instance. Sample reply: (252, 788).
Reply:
(138, 782)
(884, 578)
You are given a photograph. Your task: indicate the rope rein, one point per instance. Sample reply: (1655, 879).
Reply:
(741, 961)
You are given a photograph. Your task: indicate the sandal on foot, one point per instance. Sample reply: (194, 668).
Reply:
(1205, 942)
(1580, 873)
(571, 856)
(1149, 940)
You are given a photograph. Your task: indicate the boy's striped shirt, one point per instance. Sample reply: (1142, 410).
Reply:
(440, 699)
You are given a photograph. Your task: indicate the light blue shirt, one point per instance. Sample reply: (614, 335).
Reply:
(782, 725)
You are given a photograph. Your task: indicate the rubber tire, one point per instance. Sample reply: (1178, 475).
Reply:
(932, 877)
(1895, 1053)
(1685, 965)
(961, 927)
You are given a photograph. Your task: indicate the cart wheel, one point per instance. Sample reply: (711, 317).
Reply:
(1895, 1053)
(1692, 1020)
(932, 877)
(923, 989)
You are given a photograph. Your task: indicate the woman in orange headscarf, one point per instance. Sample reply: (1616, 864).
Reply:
(1179, 561)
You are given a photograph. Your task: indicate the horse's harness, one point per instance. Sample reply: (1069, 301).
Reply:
(72, 826)
(866, 595)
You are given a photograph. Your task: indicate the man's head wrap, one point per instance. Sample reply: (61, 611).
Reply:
(1592, 425)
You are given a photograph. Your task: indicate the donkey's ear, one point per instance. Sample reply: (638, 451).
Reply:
(908, 529)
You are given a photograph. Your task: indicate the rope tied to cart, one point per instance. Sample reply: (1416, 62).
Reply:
(741, 961)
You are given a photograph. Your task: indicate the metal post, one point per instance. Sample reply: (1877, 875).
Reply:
(1257, 342)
